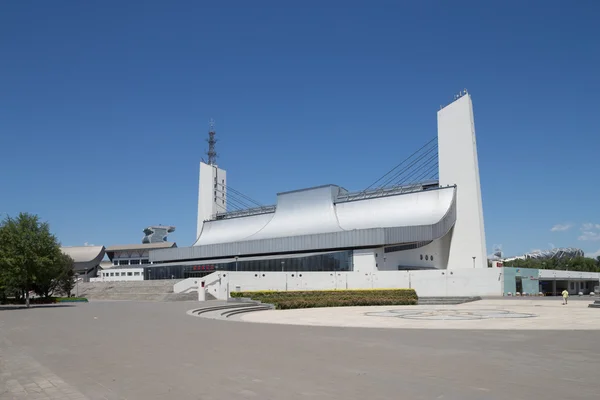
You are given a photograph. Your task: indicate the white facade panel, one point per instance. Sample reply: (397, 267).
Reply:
(120, 274)
(212, 194)
(364, 260)
(458, 165)
(232, 230)
(303, 212)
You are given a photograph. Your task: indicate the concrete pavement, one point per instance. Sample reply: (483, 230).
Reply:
(490, 314)
(149, 350)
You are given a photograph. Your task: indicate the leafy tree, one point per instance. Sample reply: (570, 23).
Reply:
(28, 251)
(57, 276)
(66, 279)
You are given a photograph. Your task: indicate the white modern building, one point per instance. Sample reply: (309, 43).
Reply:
(423, 234)
(420, 225)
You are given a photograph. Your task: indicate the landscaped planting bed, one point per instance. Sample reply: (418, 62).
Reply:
(332, 298)
(48, 300)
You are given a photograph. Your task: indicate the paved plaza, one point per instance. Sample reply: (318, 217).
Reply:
(148, 350)
(492, 314)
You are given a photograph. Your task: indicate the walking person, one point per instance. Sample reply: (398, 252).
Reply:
(565, 295)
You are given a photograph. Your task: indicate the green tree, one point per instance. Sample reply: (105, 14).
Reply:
(66, 279)
(27, 251)
(57, 276)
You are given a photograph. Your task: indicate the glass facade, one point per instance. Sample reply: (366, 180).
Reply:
(337, 261)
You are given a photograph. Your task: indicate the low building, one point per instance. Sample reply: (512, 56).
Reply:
(134, 254)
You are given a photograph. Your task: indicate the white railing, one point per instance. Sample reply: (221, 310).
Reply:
(191, 284)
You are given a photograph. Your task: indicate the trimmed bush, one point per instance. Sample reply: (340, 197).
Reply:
(332, 298)
(49, 300)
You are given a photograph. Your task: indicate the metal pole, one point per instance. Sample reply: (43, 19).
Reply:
(474, 261)
(236, 263)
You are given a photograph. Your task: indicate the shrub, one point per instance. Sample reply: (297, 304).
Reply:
(49, 300)
(332, 298)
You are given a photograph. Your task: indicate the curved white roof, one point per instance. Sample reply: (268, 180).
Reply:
(411, 209)
(84, 253)
(85, 257)
(314, 211)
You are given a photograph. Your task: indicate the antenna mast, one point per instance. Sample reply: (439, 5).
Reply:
(211, 153)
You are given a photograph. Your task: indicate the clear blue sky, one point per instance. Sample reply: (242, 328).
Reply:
(104, 107)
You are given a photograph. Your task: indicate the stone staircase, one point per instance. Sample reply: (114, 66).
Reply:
(153, 290)
(446, 300)
(219, 309)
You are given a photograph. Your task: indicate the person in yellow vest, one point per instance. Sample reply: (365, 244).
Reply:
(565, 295)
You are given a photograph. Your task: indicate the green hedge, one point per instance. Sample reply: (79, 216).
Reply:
(49, 300)
(71, 300)
(332, 298)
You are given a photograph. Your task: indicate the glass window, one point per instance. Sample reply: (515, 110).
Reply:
(134, 262)
(115, 262)
(136, 273)
(123, 262)
(130, 274)
(112, 274)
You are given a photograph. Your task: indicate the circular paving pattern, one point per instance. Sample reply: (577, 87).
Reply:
(452, 315)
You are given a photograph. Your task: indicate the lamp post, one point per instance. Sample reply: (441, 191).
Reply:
(236, 263)
(474, 261)
(282, 264)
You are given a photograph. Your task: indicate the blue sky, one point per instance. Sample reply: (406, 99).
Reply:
(104, 107)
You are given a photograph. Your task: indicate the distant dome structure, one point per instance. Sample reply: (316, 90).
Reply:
(157, 233)
(556, 253)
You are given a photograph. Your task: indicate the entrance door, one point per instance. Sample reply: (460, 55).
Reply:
(519, 284)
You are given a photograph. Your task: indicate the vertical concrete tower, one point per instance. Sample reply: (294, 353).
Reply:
(458, 165)
(212, 185)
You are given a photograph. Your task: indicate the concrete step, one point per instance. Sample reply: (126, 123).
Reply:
(595, 304)
(220, 310)
(181, 296)
(446, 300)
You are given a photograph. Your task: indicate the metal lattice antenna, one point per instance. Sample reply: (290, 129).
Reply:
(211, 153)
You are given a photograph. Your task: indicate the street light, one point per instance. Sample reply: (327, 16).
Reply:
(282, 264)
(474, 261)
(236, 263)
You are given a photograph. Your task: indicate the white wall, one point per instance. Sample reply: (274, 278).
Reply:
(364, 260)
(458, 282)
(412, 258)
(209, 202)
(464, 282)
(459, 165)
(120, 274)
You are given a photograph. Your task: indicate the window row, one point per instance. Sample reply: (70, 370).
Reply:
(128, 273)
(131, 262)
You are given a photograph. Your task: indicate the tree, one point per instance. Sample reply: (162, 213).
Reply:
(27, 251)
(66, 279)
(57, 276)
